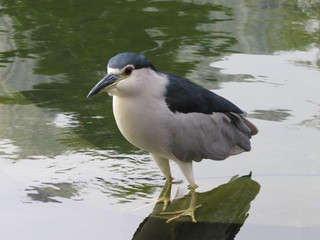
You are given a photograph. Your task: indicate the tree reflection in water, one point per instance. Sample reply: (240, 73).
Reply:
(223, 212)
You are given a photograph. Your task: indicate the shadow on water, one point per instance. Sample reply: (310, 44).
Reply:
(224, 210)
(48, 193)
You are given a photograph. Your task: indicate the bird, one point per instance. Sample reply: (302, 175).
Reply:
(173, 119)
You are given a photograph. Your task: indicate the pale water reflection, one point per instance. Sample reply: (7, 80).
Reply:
(65, 170)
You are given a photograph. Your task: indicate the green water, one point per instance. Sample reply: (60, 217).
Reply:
(60, 148)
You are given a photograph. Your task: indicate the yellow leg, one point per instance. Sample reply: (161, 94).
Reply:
(165, 195)
(190, 210)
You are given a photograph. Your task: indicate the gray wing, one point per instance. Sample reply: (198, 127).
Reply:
(216, 136)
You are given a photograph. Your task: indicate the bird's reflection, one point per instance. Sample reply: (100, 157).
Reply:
(223, 212)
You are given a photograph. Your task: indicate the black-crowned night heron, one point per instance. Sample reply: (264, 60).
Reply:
(173, 118)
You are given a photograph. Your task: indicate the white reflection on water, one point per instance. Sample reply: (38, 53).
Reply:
(286, 80)
(65, 120)
(8, 148)
(284, 159)
(282, 94)
(280, 91)
(81, 174)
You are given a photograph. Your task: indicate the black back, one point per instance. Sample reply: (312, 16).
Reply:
(186, 97)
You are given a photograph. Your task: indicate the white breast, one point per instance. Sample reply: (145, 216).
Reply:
(142, 114)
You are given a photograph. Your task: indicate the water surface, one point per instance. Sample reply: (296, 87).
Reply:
(67, 173)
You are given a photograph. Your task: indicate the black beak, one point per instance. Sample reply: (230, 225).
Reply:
(104, 82)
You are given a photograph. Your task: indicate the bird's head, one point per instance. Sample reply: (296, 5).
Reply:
(121, 68)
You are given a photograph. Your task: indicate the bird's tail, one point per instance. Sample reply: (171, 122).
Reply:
(253, 129)
(243, 124)
(245, 129)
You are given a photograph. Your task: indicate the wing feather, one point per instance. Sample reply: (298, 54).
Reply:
(197, 136)
(206, 125)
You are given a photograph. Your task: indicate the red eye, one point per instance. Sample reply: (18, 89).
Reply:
(128, 70)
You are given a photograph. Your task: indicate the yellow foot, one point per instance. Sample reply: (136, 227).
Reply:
(189, 211)
(183, 213)
(165, 195)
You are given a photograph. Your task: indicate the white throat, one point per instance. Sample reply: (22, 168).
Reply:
(139, 108)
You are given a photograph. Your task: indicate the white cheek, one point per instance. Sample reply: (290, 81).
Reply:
(129, 85)
(140, 82)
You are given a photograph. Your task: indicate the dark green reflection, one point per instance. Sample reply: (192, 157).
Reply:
(280, 25)
(72, 41)
(223, 213)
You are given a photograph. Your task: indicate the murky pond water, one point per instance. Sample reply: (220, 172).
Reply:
(67, 173)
